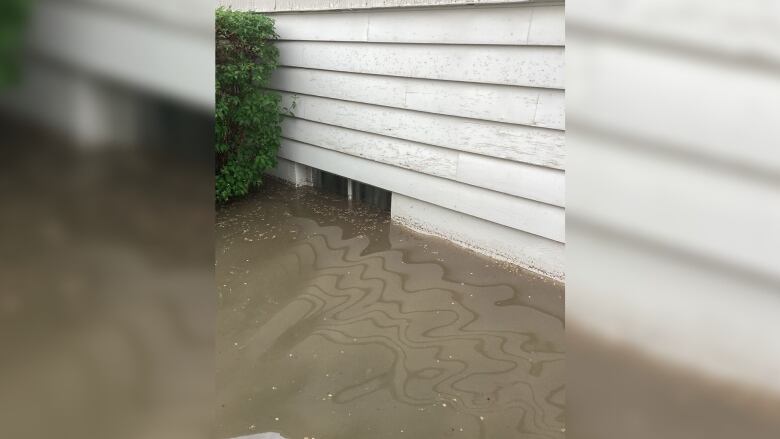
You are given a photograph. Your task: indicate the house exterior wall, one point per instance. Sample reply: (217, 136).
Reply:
(458, 110)
(674, 199)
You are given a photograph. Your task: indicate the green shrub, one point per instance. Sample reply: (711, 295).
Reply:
(248, 116)
(13, 16)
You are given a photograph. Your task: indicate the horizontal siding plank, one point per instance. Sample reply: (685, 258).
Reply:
(532, 182)
(489, 102)
(537, 146)
(532, 217)
(551, 110)
(500, 103)
(533, 66)
(330, 26)
(471, 26)
(727, 28)
(410, 155)
(339, 85)
(538, 254)
(713, 214)
(543, 25)
(330, 5)
(548, 26)
(612, 94)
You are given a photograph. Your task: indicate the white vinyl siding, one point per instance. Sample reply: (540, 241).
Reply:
(459, 107)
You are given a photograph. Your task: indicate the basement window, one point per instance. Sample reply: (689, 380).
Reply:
(352, 189)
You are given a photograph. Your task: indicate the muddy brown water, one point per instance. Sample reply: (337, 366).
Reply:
(335, 323)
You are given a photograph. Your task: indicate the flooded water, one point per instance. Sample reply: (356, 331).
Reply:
(334, 323)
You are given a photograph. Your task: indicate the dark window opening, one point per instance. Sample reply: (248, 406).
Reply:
(352, 189)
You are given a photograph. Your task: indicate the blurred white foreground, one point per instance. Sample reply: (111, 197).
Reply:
(673, 199)
(106, 280)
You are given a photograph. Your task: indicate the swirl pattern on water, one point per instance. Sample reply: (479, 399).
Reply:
(467, 347)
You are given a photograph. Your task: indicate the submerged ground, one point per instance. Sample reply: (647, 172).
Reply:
(336, 324)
